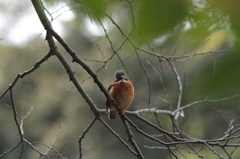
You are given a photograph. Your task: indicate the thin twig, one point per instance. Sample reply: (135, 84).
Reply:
(148, 79)
(27, 72)
(12, 149)
(118, 137)
(56, 137)
(83, 135)
(130, 136)
(20, 131)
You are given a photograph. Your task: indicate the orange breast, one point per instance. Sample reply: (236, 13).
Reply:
(123, 93)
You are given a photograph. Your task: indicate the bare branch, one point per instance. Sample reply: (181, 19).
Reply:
(205, 100)
(118, 136)
(56, 137)
(148, 79)
(19, 126)
(130, 136)
(83, 135)
(162, 83)
(12, 149)
(149, 110)
(27, 72)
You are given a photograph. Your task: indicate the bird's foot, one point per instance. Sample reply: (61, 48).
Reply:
(122, 112)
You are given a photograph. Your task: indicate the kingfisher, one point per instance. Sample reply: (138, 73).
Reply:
(122, 90)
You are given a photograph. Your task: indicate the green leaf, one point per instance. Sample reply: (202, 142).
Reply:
(159, 16)
(95, 7)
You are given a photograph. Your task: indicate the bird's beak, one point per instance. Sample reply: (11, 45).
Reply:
(122, 78)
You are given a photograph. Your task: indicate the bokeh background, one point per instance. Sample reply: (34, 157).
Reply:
(170, 28)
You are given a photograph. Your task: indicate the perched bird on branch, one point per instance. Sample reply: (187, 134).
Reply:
(122, 91)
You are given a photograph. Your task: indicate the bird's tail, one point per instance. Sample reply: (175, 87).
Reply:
(113, 114)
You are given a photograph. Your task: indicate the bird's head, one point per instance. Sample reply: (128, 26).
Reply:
(120, 75)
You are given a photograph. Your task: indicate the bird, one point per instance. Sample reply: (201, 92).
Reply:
(122, 90)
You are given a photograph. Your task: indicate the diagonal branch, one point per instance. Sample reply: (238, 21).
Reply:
(83, 135)
(20, 131)
(130, 136)
(50, 33)
(119, 138)
(9, 151)
(56, 137)
(27, 72)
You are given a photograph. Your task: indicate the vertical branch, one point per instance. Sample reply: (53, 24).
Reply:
(130, 137)
(179, 84)
(148, 79)
(162, 83)
(20, 131)
(83, 135)
(133, 18)
(21, 120)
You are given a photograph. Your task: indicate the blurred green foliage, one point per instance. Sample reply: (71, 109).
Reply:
(158, 17)
(170, 28)
(95, 8)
